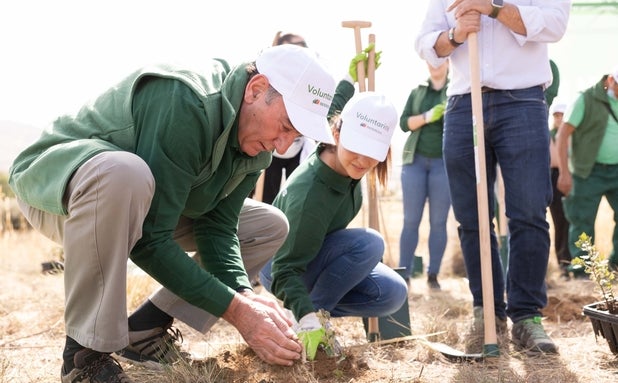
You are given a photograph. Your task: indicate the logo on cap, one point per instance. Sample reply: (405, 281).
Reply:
(373, 124)
(323, 97)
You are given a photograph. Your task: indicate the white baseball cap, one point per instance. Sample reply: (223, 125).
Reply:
(368, 123)
(558, 107)
(305, 84)
(615, 74)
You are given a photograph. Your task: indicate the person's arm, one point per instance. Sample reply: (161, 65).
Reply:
(217, 240)
(468, 20)
(415, 122)
(304, 241)
(343, 93)
(546, 23)
(432, 43)
(552, 91)
(509, 14)
(410, 119)
(450, 39)
(309, 206)
(175, 142)
(565, 180)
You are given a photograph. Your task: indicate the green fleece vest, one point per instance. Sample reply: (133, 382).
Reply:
(39, 175)
(418, 96)
(587, 137)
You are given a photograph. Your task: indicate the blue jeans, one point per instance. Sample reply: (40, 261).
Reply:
(424, 180)
(516, 138)
(346, 278)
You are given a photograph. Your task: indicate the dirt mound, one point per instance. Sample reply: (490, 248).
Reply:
(243, 365)
(565, 308)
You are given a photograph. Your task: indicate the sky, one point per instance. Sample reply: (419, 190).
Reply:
(57, 54)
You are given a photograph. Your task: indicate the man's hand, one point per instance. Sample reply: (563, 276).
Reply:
(284, 313)
(565, 182)
(311, 334)
(364, 57)
(265, 329)
(435, 113)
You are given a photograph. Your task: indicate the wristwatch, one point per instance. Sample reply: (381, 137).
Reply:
(451, 38)
(496, 7)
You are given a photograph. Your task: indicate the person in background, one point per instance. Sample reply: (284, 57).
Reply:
(323, 264)
(132, 175)
(283, 164)
(511, 36)
(589, 170)
(423, 177)
(561, 224)
(551, 92)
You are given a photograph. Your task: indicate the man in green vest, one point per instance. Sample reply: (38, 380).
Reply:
(158, 165)
(589, 167)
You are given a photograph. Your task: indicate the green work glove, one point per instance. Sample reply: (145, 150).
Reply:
(363, 56)
(435, 113)
(311, 334)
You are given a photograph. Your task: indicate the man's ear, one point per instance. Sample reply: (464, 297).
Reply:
(256, 87)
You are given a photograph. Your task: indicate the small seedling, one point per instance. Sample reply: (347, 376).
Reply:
(331, 347)
(596, 265)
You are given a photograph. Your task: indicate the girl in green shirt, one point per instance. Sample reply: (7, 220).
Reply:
(323, 264)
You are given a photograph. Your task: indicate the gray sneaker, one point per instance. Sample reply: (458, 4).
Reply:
(94, 367)
(475, 339)
(154, 348)
(529, 335)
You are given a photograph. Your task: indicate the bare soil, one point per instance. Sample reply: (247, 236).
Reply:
(32, 328)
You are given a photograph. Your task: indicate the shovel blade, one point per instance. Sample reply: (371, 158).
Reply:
(454, 355)
(458, 356)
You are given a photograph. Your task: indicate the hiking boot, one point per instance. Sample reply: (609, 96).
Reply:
(154, 348)
(432, 282)
(529, 335)
(475, 339)
(94, 367)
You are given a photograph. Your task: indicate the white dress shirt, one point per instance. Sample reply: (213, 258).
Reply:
(507, 60)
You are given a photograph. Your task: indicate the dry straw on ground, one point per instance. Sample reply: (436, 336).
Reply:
(32, 328)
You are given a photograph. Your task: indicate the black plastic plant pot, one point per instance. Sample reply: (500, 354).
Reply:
(604, 324)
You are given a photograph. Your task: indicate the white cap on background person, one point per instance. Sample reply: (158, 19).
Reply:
(558, 107)
(614, 74)
(305, 84)
(369, 120)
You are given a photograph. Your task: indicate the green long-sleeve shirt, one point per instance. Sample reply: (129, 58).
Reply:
(317, 201)
(427, 140)
(182, 123)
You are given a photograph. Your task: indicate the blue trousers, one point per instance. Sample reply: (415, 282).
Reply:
(347, 277)
(424, 180)
(516, 138)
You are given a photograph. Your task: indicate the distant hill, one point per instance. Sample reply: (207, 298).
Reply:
(14, 137)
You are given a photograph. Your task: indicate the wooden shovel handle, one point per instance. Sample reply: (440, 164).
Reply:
(357, 25)
(489, 315)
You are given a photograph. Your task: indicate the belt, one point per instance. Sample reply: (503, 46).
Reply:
(486, 89)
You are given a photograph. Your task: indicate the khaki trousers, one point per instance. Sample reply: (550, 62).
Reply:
(107, 200)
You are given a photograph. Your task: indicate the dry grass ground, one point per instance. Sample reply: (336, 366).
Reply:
(32, 328)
